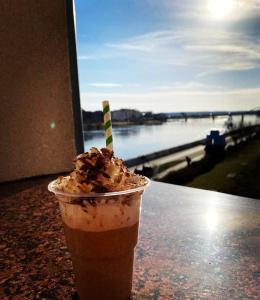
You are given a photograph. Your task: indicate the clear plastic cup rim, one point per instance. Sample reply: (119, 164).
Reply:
(51, 188)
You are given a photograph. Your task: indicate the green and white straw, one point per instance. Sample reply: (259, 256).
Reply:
(107, 125)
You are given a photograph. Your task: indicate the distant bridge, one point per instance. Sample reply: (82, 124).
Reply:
(256, 109)
(206, 114)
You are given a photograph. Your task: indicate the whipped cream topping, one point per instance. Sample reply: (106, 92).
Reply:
(115, 213)
(99, 171)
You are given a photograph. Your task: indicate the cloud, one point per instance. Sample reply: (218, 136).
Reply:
(187, 86)
(129, 46)
(186, 92)
(86, 57)
(180, 99)
(148, 42)
(105, 85)
(248, 50)
(232, 66)
(211, 49)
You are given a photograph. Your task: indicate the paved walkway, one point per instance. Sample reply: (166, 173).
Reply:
(177, 161)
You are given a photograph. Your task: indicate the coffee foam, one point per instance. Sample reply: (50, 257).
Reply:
(102, 216)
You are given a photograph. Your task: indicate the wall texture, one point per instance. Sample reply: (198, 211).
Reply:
(36, 115)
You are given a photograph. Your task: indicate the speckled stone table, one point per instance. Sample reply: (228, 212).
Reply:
(193, 244)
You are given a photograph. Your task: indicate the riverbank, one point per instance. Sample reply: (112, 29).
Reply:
(121, 124)
(238, 174)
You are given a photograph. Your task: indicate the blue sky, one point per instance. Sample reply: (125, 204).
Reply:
(169, 55)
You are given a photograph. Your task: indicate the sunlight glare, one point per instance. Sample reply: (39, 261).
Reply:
(212, 218)
(221, 8)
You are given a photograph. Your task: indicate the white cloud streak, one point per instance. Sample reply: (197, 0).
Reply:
(129, 46)
(105, 85)
(86, 57)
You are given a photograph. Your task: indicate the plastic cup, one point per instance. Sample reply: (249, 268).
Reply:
(101, 231)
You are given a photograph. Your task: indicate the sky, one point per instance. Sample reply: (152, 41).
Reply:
(169, 55)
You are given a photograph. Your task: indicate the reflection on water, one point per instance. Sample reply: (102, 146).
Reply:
(133, 141)
(124, 131)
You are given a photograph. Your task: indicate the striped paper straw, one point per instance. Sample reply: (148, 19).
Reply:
(107, 125)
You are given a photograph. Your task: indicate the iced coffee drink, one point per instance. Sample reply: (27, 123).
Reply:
(100, 207)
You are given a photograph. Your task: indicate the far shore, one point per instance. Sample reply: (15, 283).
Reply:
(96, 126)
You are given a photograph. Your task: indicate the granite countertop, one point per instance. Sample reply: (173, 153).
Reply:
(193, 244)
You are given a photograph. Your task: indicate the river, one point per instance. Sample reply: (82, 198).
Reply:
(136, 140)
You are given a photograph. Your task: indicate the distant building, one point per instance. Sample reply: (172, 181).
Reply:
(147, 115)
(126, 115)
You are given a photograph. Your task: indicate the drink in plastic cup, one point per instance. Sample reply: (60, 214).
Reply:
(101, 231)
